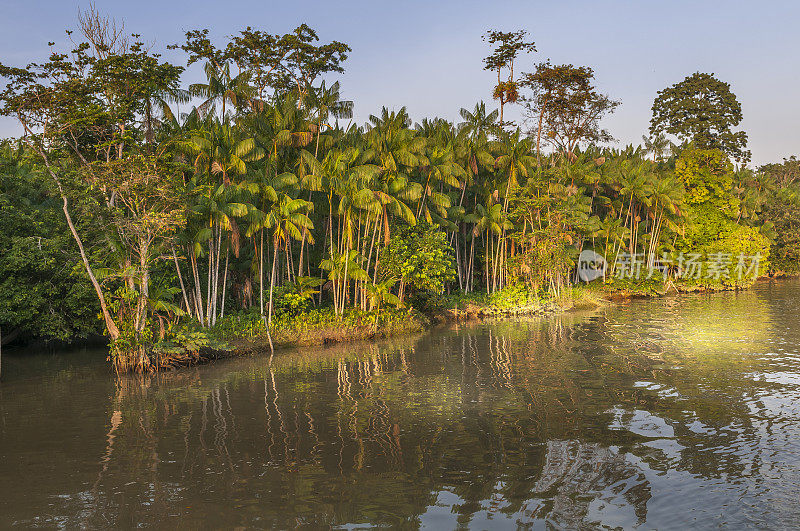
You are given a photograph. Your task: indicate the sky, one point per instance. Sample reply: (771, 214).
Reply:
(428, 55)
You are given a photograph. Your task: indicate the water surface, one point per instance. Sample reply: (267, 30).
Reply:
(661, 413)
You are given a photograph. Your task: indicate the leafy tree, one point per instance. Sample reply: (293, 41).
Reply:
(42, 292)
(566, 106)
(507, 46)
(292, 61)
(776, 188)
(419, 257)
(84, 108)
(707, 176)
(784, 173)
(701, 109)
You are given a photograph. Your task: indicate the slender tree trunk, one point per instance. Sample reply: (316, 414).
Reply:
(300, 259)
(141, 314)
(217, 262)
(539, 133)
(272, 278)
(261, 274)
(208, 284)
(180, 279)
(501, 99)
(198, 293)
(343, 294)
(486, 259)
(224, 282)
(471, 268)
(111, 326)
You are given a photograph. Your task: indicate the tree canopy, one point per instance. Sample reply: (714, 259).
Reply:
(701, 109)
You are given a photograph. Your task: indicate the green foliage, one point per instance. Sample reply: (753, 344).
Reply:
(419, 257)
(701, 109)
(235, 211)
(512, 296)
(707, 176)
(242, 324)
(42, 292)
(568, 105)
(186, 339)
(778, 193)
(380, 294)
(296, 296)
(710, 233)
(635, 287)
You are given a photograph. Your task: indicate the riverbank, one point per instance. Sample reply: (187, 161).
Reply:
(244, 333)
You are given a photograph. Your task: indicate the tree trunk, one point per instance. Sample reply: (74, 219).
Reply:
(272, 279)
(208, 284)
(539, 133)
(261, 274)
(111, 326)
(180, 278)
(224, 284)
(198, 293)
(141, 316)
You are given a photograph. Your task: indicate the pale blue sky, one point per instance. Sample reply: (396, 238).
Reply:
(427, 55)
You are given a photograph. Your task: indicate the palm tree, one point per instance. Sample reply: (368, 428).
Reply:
(341, 268)
(287, 219)
(489, 220)
(667, 198)
(513, 161)
(221, 86)
(217, 208)
(440, 169)
(477, 124)
(380, 293)
(265, 189)
(222, 150)
(326, 102)
(657, 145)
(636, 180)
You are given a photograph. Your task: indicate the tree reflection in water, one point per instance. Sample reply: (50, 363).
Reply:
(664, 413)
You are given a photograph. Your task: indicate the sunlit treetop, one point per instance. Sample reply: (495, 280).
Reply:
(701, 109)
(281, 62)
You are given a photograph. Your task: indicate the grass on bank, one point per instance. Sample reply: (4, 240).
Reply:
(246, 330)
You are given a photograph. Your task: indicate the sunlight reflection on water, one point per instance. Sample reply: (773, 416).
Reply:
(663, 413)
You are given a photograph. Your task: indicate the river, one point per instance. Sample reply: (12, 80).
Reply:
(662, 413)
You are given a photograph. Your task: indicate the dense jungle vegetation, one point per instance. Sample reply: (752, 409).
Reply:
(264, 208)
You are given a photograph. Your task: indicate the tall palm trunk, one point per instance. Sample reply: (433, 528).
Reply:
(272, 277)
(224, 283)
(539, 132)
(198, 294)
(261, 274)
(180, 279)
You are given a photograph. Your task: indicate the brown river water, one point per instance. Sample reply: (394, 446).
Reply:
(666, 413)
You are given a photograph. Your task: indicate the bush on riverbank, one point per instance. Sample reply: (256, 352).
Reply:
(519, 299)
(317, 326)
(246, 330)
